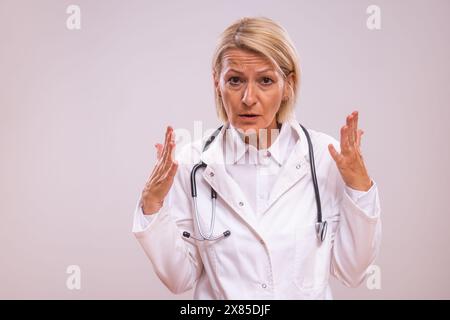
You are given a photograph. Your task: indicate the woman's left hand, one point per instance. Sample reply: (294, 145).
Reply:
(350, 161)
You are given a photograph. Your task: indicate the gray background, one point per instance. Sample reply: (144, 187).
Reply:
(81, 111)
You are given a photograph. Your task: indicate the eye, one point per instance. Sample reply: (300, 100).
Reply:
(267, 80)
(234, 81)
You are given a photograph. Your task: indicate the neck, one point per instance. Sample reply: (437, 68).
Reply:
(265, 136)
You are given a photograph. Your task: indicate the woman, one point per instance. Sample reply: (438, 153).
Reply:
(259, 238)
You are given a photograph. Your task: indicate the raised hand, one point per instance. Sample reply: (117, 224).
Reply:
(350, 161)
(161, 178)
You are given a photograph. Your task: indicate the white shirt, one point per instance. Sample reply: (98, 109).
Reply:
(255, 171)
(266, 200)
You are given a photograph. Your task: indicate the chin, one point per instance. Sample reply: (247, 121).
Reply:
(248, 126)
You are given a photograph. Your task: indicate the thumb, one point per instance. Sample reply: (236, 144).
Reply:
(334, 154)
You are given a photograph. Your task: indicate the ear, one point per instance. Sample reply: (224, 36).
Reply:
(288, 83)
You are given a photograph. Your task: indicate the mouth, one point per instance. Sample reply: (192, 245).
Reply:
(249, 116)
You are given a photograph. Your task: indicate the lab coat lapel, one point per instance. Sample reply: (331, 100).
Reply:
(296, 167)
(225, 186)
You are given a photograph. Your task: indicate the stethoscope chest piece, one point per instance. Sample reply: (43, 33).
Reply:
(321, 230)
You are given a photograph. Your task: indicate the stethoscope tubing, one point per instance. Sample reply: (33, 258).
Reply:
(321, 226)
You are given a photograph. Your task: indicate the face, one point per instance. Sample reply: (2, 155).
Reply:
(251, 90)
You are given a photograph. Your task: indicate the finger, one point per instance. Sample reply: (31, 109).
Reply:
(334, 154)
(355, 125)
(159, 150)
(172, 153)
(168, 158)
(169, 154)
(358, 138)
(358, 146)
(170, 144)
(345, 144)
(166, 142)
(161, 160)
(173, 169)
(350, 127)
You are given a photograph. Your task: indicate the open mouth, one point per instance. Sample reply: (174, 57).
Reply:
(249, 115)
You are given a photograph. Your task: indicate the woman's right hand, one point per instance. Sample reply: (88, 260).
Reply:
(161, 178)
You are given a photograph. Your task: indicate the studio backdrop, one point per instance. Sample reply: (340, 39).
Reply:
(88, 87)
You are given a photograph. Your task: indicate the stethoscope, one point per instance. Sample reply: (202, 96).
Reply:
(321, 226)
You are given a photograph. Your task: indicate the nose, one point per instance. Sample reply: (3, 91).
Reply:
(249, 97)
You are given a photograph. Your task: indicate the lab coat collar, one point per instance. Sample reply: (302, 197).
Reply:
(214, 155)
(236, 148)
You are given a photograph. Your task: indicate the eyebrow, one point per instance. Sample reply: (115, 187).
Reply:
(259, 71)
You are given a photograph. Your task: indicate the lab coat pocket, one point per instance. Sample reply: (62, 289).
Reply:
(312, 261)
(208, 254)
(216, 257)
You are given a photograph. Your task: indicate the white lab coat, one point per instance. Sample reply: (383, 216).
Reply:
(276, 257)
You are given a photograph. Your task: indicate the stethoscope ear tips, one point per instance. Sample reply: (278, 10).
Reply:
(224, 235)
(321, 229)
(186, 234)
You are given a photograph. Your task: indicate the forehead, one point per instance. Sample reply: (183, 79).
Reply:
(243, 60)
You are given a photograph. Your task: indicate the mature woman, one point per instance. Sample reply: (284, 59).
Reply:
(273, 213)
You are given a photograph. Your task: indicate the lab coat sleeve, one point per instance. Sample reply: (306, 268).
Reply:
(364, 199)
(141, 221)
(357, 233)
(175, 260)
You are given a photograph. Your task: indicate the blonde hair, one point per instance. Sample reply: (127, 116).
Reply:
(265, 37)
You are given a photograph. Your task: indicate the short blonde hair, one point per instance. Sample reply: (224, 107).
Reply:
(265, 37)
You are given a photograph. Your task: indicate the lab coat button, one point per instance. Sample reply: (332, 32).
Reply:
(264, 285)
(211, 174)
(241, 204)
(298, 166)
